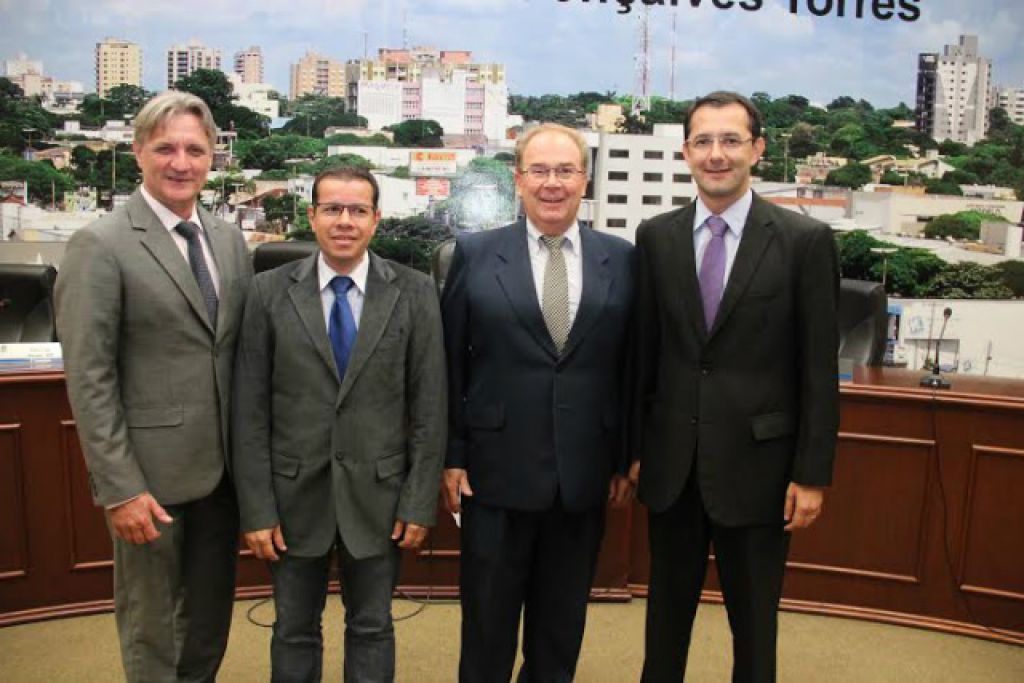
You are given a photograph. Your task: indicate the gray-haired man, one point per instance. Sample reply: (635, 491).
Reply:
(149, 300)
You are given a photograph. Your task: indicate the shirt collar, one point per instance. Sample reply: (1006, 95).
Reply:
(359, 274)
(572, 236)
(168, 218)
(735, 215)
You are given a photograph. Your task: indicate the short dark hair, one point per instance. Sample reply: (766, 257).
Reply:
(723, 98)
(348, 173)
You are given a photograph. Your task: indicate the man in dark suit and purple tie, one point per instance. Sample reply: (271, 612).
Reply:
(736, 394)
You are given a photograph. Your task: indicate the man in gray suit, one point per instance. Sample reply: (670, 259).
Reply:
(149, 300)
(339, 427)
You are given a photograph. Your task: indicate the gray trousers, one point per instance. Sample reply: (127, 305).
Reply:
(173, 597)
(300, 593)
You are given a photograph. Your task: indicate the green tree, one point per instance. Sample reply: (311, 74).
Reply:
(214, 88)
(44, 181)
(418, 133)
(1012, 275)
(128, 99)
(968, 281)
(949, 225)
(313, 114)
(942, 186)
(272, 152)
(853, 176)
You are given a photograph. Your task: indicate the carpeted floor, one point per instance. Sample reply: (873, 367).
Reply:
(811, 648)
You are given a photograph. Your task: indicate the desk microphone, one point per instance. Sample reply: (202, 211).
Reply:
(934, 379)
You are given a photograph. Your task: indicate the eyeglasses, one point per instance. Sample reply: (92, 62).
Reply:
(563, 173)
(702, 144)
(357, 211)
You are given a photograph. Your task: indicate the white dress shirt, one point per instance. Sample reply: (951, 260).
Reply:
(356, 293)
(170, 220)
(572, 250)
(735, 216)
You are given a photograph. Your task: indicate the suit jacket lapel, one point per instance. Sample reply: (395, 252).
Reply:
(305, 296)
(378, 305)
(597, 280)
(757, 235)
(682, 250)
(161, 245)
(515, 276)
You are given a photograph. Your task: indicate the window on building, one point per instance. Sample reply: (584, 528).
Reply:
(653, 154)
(678, 156)
(652, 177)
(680, 201)
(616, 199)
(681, 177)
(651, 200)
(618, 175)
(615, 223)
(618, 153)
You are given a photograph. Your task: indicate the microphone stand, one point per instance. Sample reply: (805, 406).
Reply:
(934, 379)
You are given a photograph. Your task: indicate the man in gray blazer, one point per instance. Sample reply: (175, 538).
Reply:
(149, 300)
(339, 427)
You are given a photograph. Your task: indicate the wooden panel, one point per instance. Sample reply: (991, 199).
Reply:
(888, 524)
(994, 524)
(90, 547)
(13, 530)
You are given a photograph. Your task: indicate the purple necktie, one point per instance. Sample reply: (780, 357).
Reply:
(712, 269)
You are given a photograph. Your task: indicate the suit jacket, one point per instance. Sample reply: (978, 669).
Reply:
(148, 376)
(754, 400)
(525, 421)
(322, 457)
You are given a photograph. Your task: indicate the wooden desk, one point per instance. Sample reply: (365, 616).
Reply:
(924, 524)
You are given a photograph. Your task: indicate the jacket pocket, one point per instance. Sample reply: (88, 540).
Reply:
(163, 416)
(772, 426)
(485, 417)
(390, 465)
(285, 465)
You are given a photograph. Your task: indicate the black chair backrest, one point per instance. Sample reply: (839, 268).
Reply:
(26, 303)
(863, 317)
(270, 255)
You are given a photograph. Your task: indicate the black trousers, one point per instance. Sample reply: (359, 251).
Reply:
(538, 563)
(751, 563)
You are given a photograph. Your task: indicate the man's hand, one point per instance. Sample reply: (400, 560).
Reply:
(266, 543)
(803, 505)
(133, 521)
(456, 485)
(620, 490)
(409, 536)
(634, 473)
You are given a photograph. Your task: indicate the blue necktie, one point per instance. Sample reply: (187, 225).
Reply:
(342, 329)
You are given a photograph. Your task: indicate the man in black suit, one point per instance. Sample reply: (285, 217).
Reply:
(736, 408)
(535, 317)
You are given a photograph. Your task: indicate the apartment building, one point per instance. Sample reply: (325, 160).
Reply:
(316, 74)
(953, 92)
(183, 60)
(118, 62)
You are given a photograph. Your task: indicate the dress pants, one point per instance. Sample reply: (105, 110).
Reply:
(537, 563)
(300, 593)
(751, 563)
(173, 596)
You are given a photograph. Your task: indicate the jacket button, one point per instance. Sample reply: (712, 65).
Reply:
(693, 419)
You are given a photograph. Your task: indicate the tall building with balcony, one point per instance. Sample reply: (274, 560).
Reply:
(1012, 100)
(316, 74)
(118, 62)
(953, 92)
(184, 60)
(249, 65)
(465, 97)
